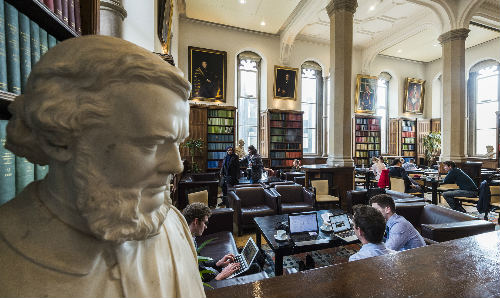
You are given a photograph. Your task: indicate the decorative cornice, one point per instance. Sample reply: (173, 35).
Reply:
(456, 34)
(196, 21)
(115, 6)
(341, 5)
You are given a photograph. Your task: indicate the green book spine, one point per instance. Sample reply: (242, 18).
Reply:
(3, 55)
(7, 168)
(24, 49)
(25, 173)
(35, 42)
(44, 42)
(12, 42)
(52, 41)
(41, 171)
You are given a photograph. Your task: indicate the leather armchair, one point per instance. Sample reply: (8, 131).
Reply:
(249, 202)
(273, 184)
(294, 198)
(439, 224)
(363, 196)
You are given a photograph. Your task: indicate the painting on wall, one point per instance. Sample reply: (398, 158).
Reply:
(207, 74)
(285, 82)
(366, 94)
(165, 10)
(413, 102)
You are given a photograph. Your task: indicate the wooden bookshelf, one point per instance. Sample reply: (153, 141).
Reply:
(393, 148)
(366, 138)
(423, 129)
(220, 134)
(281, 133)
(436, 125)
(408, 137)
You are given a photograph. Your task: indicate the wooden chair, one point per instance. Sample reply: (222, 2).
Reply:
(200, 196)
(324, 198)
(444, 187)
(398, 184)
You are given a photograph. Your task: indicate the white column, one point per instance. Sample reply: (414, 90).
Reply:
(112, 16)
(324, 141)
(341, 14)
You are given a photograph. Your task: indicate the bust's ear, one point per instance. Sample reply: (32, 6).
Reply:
(61, 150)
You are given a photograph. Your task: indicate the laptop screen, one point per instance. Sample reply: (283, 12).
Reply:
(303, 222)
(340, 223)
(249, 251)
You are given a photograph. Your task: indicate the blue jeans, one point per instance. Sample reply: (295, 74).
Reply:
(455, 204)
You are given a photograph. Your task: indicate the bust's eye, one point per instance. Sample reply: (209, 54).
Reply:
(150, 147)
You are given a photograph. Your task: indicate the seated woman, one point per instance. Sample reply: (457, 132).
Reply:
(378, 166)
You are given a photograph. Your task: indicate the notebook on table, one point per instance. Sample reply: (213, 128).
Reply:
(342, 227)
(304, 229)
(246, 257)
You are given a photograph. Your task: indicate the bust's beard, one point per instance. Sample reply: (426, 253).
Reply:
(113, 213)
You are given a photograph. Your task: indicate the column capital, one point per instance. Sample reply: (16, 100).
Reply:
(456, 34)
(338, 5)
(115, 6)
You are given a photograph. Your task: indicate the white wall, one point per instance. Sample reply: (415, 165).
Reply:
(139, 26)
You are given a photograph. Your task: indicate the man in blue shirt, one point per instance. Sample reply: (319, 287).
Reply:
(369, 227)
(400, 233)
(467, 187)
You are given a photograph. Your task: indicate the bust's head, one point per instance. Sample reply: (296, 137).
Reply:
(107, 116)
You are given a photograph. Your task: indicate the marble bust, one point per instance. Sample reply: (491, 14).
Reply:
(107, 116)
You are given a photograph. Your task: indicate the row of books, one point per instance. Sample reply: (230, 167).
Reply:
(407, 147)
(281, 154)
(220, 129)
(284, 131)
(408, 134)
(285, 116)
(68, 11)
(282, 139)
(220, 138)
(368, 154)
(216, 155)
(367, 121)
(218, 146)
(367, 127)
(283, 146)
(15, 172)
(408, 153)
(220, 121)
(367, 133)
(367, 139)
(408, 128)
(367, 146)
(408, 140)
(214, 164)
(286, 124)
(281, 162)
(22, 43)
(221, 113)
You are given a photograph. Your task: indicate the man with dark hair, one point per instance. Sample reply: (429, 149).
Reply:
(467, 186)
(410, 165)
(396, 170)
(369, 226)
(254, 163)
(399, 233)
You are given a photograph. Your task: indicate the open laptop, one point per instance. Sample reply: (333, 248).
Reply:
(342, 227)
(246, 257)
(304, 229)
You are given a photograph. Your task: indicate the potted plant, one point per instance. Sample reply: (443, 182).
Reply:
(432, 147)
(194, 146)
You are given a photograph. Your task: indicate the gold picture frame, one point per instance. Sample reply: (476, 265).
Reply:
(413, 100)
(207, 74)
(366, 94)
(285, 82)
(165, 11)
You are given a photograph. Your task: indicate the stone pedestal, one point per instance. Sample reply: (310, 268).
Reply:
(453, 123)
(341, 14)
(112, 16)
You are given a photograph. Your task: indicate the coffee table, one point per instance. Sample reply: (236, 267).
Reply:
(266, 226)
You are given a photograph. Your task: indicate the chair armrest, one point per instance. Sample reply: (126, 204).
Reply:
(271, 199)
(309, 196)
(455, 230)
(429, 241)
(239, 280)
(220, 220)
(234, 201)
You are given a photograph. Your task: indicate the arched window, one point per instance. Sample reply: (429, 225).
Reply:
(483, 101)
(312, 81)
(248, 98)
(382, 109)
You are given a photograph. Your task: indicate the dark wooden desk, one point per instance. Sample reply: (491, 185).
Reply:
(467, 267)
(341, 178)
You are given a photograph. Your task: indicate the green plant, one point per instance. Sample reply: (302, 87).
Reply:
(432, 146)
(194, 146)
(204, 259)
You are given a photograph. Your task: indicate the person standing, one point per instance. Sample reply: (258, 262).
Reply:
(254, 162)
(229, 172)
(467, 187)
(378, 166)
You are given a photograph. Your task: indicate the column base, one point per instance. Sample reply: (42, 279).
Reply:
(339, 161)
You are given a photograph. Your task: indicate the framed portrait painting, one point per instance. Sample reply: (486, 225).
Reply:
(207, 74)
(165, 10)
(413, 102)
(366, 94)
(285, 82)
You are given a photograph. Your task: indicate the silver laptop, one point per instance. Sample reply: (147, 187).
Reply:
(304, 229)
(342, 227)
(246, 257)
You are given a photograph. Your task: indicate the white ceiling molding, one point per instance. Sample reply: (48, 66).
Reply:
(196, 21)
(471, 7)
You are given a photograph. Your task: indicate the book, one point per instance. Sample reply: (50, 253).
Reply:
(78, 18)
(58, 8)
(24, 49)
(7, 168)
(25, 173)
(41, 171)
(3, 54)
(49, 4)
(35, 42)
(44, 42)
(71, 13)
(12, 49)
(51, 41)
(65, 7)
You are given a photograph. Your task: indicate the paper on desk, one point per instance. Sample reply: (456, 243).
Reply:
(326, 216)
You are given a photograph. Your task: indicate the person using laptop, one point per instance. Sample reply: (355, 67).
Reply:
(399, 232)
(197, 215)
(369, 226)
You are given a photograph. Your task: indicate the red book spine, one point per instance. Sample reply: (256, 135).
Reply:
(65, 7)
(49, 4)
(58, 8)
(78, 20)
(71, 13)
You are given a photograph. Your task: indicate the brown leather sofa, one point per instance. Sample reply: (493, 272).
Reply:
(220, 229)
(294, 198)
(363, 196)
(249, 202)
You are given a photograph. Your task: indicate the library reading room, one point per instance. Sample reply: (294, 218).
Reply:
(249, 148)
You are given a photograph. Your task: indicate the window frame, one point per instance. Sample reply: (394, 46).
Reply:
(318, 103)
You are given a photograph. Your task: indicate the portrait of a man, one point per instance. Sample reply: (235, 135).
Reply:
(414, 96)
(366, 94)
(207, 73)
(285, 82)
